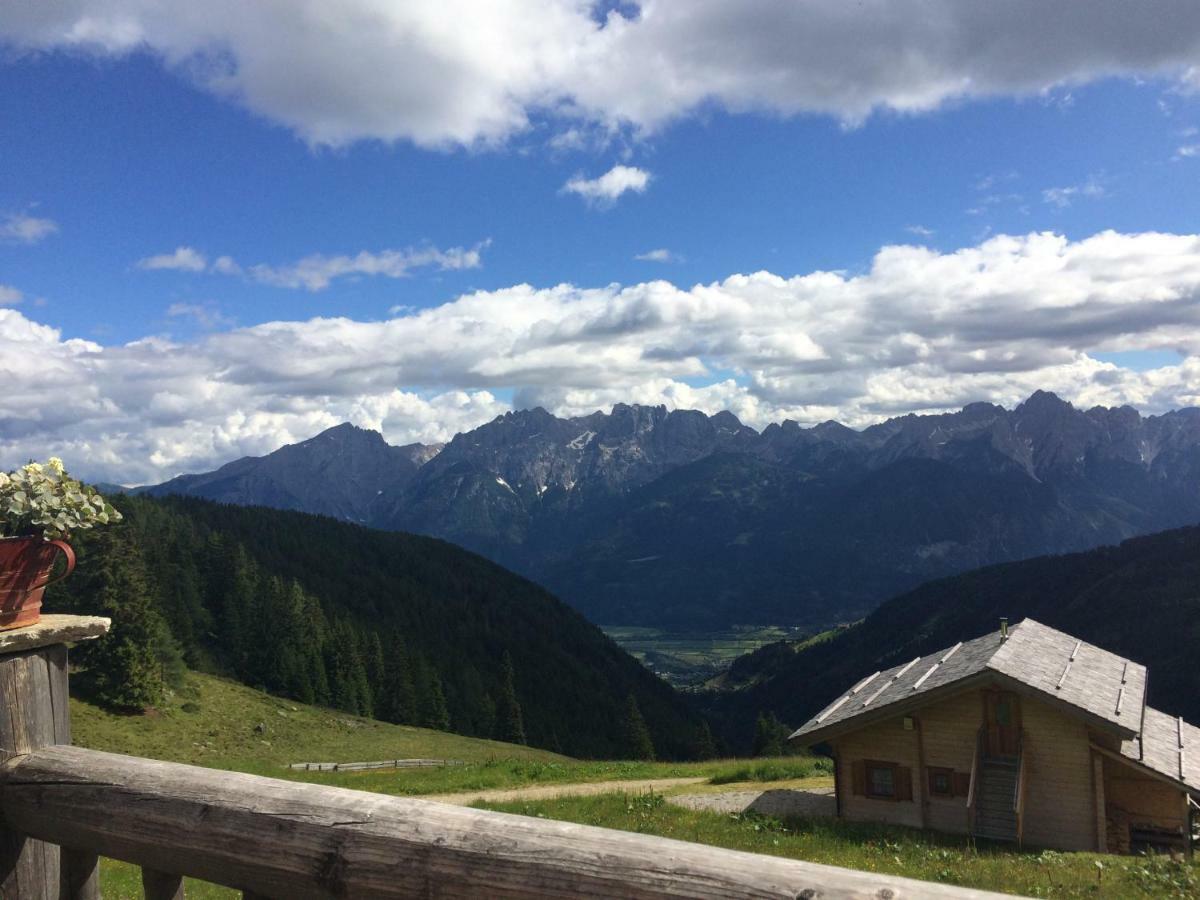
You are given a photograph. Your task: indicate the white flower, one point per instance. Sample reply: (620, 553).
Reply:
(43, 498)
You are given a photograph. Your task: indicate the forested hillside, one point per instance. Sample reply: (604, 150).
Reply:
(406, 629)
(1140, 599)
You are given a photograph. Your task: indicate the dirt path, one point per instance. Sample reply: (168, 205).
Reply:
(812, 801)
(549, 791)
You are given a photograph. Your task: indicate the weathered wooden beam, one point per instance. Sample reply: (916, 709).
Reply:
(33, 714)
(161, 885)
(80, 878)
(53, 629)
(286, 839)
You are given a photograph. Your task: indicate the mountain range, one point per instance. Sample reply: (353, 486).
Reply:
(681, 519)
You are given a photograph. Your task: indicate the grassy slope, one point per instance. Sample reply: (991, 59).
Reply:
(221, 733)
(899, 851)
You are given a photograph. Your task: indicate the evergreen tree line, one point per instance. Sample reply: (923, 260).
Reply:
(404, 629)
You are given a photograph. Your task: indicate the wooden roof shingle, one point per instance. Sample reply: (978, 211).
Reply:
(1107, 689)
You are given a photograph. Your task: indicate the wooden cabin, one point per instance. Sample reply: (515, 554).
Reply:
(1026, 735)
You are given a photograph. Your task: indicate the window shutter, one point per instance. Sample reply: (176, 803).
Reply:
(904, 785)
(858, 777)
(962, 784)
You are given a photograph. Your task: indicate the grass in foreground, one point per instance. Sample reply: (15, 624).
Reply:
(876, 848)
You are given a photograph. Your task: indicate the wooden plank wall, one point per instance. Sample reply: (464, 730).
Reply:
(1060, 800)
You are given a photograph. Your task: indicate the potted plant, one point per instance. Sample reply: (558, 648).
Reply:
(40, 505)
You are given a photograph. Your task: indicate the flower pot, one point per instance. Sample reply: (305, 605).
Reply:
(26, 564)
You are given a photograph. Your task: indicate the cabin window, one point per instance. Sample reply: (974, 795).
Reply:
(881, 780)
(941, 782)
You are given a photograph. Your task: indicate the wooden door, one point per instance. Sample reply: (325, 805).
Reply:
(1002, 716)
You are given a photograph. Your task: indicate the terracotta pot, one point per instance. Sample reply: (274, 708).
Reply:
(26, 564)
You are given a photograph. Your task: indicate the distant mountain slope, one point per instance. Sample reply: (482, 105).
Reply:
(645, 516)
(404, 628)
(1140, 599)
(341, 472)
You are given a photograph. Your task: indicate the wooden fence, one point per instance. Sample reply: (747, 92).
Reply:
(62, 807)
(381, 764)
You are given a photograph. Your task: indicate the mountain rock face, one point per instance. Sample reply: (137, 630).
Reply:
(644, 516)
(341, 472)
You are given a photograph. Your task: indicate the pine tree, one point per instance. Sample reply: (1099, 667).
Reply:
(704, 747)
(375, 668)
(770, 736)
(128, 668)
(399, 700)
(433, 712)
(510, 725)
(347, 674)
(637, 740)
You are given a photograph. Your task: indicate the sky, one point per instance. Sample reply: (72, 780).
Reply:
(227, 226)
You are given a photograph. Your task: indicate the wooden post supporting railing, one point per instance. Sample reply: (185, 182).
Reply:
(271, 838)
(34, 714)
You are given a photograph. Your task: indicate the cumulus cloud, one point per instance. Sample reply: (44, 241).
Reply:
(317, 271)
(183, 259)
(10, 296)
(661, 255)
(458, 72)
(919, 330)
(20, 228)
(607, 188)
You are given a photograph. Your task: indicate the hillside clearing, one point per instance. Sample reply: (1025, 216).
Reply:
(224, 725)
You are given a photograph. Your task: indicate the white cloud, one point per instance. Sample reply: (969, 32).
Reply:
(205, 315)
(460, 72)
(606, 188)
(183, 259)
(1064, 196)
(918, 330)
(317, 271)
(919, 230)
(1188, 151)
(10, 296)
(226, 265)
(20, 228)
(661, 255)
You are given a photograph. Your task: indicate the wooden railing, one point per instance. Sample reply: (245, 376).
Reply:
(1193, 825)
(975, 763)
(63, 807)
(1019, 791)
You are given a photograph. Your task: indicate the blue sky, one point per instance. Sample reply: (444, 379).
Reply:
(186, 140)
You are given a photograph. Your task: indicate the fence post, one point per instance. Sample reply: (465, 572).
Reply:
(33, 697)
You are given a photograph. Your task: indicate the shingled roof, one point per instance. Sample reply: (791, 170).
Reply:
(1169, 746)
